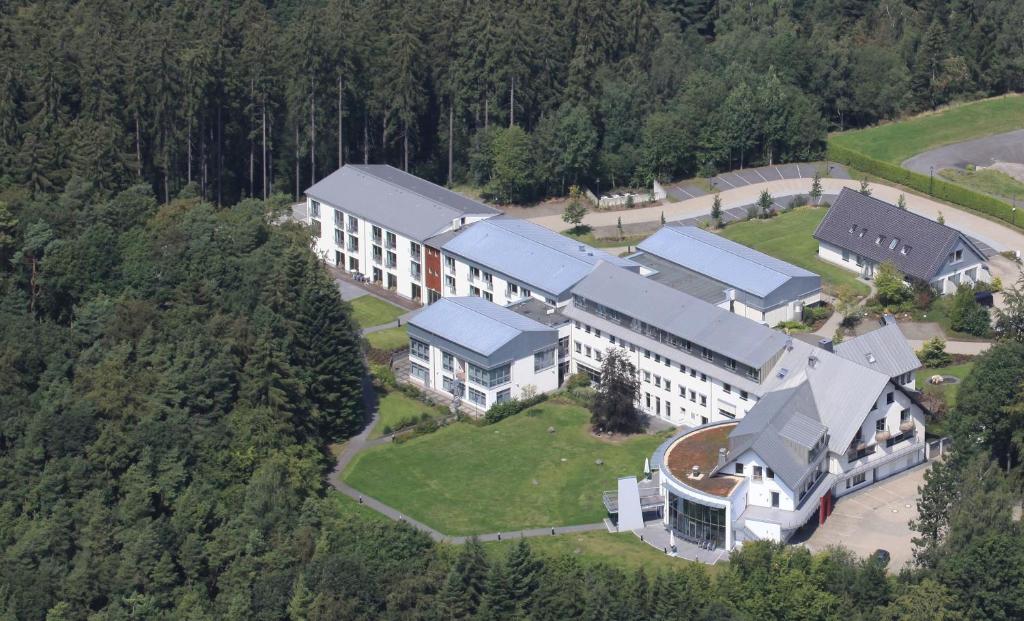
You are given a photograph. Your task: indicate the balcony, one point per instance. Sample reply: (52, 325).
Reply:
(378, 259)
(415, 274)
(391, 264)
(352, 228)
(352, 247)
(907, 426)
(882, 435)
(391, 244)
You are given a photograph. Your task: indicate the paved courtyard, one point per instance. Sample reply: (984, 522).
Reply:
(874, 518)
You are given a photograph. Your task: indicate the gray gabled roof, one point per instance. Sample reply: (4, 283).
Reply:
(475, 324)
(819, 395)
(396, 200)
(884, 349)
(726, 261)
(682, 315)
(530, 254)
(855, 222)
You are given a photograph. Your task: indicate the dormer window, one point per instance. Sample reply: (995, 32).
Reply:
(905, 250)
(853, 229)
(879, 240)
(862, 231)
(895, 242)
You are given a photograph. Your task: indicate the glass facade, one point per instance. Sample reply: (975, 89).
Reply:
(696, 522)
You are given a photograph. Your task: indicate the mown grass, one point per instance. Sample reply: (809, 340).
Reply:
(468, 479)
(585, 235)
(395, 408)
(789, 236)
(895, 142)
(988, 181)
(392, 338)
(369, 311)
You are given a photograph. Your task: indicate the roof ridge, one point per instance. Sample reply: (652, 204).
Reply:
(896, 208)
(734, 253)
(364, 169)
(545, 230)
(458, 300)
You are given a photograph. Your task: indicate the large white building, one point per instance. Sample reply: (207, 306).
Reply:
(859, 233)
(374, 220)
(727, 274)
(482, 352)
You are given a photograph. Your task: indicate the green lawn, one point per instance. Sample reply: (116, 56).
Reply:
(368, 311)
(587, 237)
(950, 390)
(987, 181)
(895, 142)
(467, 479)
(392, 338)
(789, 236)
(396, 407)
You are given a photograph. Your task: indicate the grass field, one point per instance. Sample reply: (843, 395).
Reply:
(368, 311)
(395, 408)
(392, 338)
(987, 181)
(948, 391)
(467, 479)
(789, 236)
(895, 142)
(587, 237)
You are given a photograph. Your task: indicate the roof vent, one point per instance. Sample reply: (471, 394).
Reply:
(826, 344)
(695, 472)
(722, 453)
(870, 357)
(789, 343)
(782, 373)
(812, 361)
(583, 248)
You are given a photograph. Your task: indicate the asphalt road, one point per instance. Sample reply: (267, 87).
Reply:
(1008, 147)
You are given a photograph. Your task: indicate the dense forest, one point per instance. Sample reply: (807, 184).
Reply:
(248, 98)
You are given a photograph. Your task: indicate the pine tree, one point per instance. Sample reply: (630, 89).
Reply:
(764, 204)
(865, 189)
(466, 581)
(498, 603)
(815, 192)
(716, 209)
(901, 202)
(523, 575)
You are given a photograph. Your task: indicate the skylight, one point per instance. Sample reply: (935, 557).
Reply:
(895, 242)
(906, 249)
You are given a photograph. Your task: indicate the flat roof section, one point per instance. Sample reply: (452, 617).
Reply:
(540, 312)
(700, 448)
(682, 279)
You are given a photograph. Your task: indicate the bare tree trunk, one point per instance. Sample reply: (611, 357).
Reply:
(220, 153)
(203, 165)
(138, 146)
(298, 156)
(312, 136)
(486, 113)
(366, 137)
(451, 135)
(188, 148)
(405, 145)
(341, 126)
(263, 162)
(512, 103)
(252, 143)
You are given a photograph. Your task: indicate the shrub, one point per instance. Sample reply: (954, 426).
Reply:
(583, 395)
(752, 212)
(933, 353)
(892, 291)
(501, 411)
(798, 201)
(577, 381)
(814, 314)
(791, 326)
(385, 430)
(923, 293)
(966, 315)
(383, 377)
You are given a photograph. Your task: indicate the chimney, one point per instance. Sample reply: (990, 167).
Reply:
(812, 361)
(722, 453)
(583, 248)
(695, 472)
(826, 344)
(888, 319)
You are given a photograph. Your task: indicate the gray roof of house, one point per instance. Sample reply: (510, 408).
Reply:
(855, 222)
(885, 350)
(802, 400)
(735, 265)
(681, 314)
(530, 254)
(688, 281)
(475, 324)
(396, 200)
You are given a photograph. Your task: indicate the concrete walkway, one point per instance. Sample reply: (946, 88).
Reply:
(992, 233)
(967, 348)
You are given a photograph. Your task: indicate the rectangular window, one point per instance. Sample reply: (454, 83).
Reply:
(703, 377)
(739, 468)
(586, 328)
(668, 385)
(668, 410)
(353, 224)
(726, 413)
(770, 473)
(730, 364)
(489, 378)
(544, 360)
(693, 396)
(905, 415)
(647, 395)
(757, 473)
(419, 349)
(597, 333)
(418, 372)
(744, 395)
(488, 296)
(890, 397)
(339, 237)
(477, 397)
(339, 218)
(353, 243)
(377, 234)
(314, 209)
(452, 387)
(880, 424)
(647, 376)
(315, 225)
(727, 388)
(775, 499)
(706, 353)
(682, 391)
(392, 260)
(587, 351)
(647, 353)
(474, 273)
(657, 358)
(414, 249)
(448, 362)
(657, 381)
(579, 347)
(391, 240)
(598, 355)
(474, 291)
(503, 396)
(449, 263)
(704, 400)
(449, 283)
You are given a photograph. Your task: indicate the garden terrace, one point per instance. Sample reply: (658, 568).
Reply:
(700, 448)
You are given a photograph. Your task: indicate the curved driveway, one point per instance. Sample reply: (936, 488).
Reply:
(1008, 147)
(996, 235)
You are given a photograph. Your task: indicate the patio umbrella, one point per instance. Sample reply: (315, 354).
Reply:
(647, 467)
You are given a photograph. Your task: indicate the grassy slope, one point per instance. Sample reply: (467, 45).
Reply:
(392, 338)
(466, 479)
(895, 142)
(950, 390)
(788, 236)
(368, 311)
(395, 407)
(987, 181)
(587, 237)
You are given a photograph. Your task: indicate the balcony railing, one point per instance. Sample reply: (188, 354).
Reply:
(415, 274)
(391, 264)
(378, 259)
(352, 247)
(391, 244)
(352, 227)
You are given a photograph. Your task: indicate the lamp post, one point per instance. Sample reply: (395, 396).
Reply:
(931, 178)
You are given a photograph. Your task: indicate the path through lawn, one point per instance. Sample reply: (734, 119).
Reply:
(467, 479)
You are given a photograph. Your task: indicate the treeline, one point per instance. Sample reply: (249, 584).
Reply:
(246, 98)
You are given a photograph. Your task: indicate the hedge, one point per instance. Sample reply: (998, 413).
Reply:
(501, 411)
(936, 187)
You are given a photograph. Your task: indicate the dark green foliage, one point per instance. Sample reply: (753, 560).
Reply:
(966, 315)
(933, 353)
(614, 406)
(501, 411)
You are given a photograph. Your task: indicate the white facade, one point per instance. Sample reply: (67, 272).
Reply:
(791, 311)
(461, 278)
(441, 367)
(962, 266)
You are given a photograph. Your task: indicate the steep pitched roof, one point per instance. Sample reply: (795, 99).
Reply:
(396, 200)
(726, 261)
(884, 349)
(875, 229)
(475, 323)
(681, 314)
(529, 253)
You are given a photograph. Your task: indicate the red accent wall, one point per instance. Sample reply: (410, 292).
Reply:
(432, 263)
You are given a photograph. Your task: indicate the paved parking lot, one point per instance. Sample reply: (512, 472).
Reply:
(874, 518)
